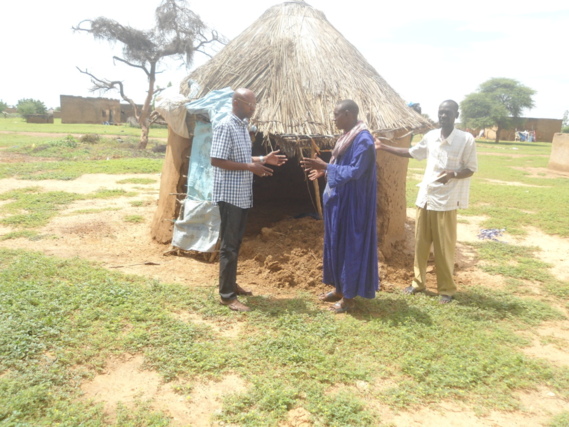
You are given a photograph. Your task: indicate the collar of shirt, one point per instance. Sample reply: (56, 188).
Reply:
(448, 139)
(243, 122)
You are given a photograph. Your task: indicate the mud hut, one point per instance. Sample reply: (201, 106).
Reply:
(299, 66)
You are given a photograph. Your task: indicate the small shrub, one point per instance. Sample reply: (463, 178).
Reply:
(90, 138)
(159, 148)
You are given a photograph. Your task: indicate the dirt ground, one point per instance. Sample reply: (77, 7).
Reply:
(279, 256)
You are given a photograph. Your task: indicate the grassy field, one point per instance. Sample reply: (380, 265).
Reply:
(17, 124)
(61, 319)
(534, 201)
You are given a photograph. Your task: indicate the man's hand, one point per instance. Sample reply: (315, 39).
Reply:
(276, 159)
(260, 170)
(378, 144)
(445, 176)
(314, 174)
(315, 163)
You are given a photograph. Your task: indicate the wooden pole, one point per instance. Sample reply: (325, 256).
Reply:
(314, 149)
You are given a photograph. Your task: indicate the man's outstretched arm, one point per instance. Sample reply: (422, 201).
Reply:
(398, 151)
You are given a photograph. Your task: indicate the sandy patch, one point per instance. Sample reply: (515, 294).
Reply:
(550, 341)
(511, 183)
(127, 382)
(85, 184)
(544, 173)
(231, 329)
(554, 250)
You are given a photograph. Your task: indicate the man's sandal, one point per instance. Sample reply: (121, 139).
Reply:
(338, 308)
(410, 290)
(330, 297)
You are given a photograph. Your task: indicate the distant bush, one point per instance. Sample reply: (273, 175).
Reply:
(29, 106)
(90, 138)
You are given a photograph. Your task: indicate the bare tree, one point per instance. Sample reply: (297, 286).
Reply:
(178, 33)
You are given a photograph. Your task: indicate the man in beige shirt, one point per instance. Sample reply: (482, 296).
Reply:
(451, 161)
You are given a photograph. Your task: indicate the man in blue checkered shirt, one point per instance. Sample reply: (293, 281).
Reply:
(233, 188)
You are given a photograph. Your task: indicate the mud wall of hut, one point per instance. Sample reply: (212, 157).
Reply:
(39, 118)
(391, 198)
(172, 182)
(559, 158)
(288, 192)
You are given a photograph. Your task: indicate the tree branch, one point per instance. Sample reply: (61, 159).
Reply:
(107, 85)
(142, 66)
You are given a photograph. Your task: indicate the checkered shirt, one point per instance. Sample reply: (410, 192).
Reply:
(454, 153)
(231, 141)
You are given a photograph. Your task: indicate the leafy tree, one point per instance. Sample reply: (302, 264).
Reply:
(498, 102)
(178, 33)
(565, 128)
(28, 106)
(3, 106)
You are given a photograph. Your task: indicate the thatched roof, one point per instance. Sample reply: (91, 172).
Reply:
(299, 66)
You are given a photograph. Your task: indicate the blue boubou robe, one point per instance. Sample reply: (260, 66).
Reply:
(350, 237)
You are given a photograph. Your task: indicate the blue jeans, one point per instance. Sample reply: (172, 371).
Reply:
(233, 220)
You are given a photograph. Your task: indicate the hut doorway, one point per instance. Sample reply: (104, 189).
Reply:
(287, 194)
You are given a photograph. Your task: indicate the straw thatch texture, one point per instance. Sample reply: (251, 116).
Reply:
(299, 67)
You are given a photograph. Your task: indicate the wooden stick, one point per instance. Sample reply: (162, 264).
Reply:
(313, 150)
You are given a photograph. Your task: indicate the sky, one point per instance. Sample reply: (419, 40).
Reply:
(427, 51)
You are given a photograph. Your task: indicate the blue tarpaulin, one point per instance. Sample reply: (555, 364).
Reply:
(198, 228)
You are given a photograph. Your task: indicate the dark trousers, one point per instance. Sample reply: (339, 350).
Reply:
(233, 220)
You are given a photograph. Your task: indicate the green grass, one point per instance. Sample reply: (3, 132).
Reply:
(71, 148)
(32, 207)
(22, 234)
(538, 202)
(61, 320)
(560, 420)
(140, 203)
(137, 181)
(20, 125)
(134, 219)
(69, 170)
(519, 263)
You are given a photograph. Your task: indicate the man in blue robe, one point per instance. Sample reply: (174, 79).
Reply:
(350, 237)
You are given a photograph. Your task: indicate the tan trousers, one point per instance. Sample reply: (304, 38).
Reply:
(438, 228)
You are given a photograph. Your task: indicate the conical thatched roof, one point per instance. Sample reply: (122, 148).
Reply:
(299, 66)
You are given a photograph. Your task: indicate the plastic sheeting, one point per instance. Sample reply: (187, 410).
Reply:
(198, 228)
(172, 106)
(216, 105)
